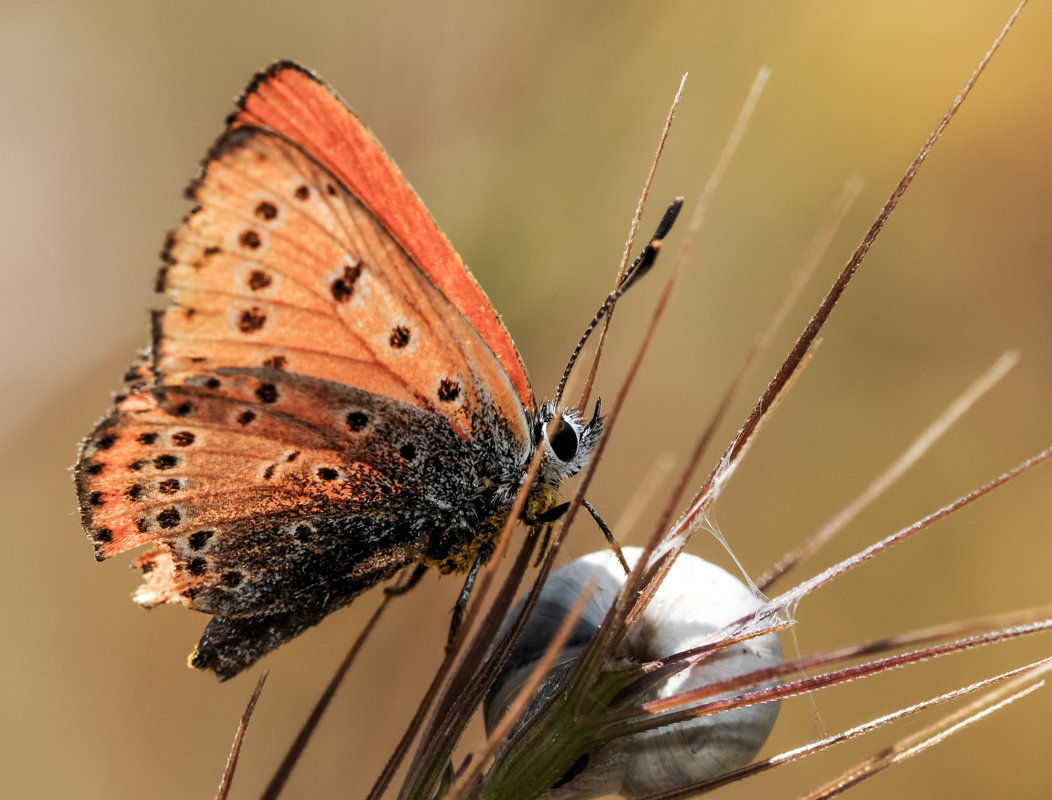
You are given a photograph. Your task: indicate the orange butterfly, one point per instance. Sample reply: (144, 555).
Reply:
(330, 398)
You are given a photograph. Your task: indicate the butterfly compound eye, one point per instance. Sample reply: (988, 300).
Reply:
(563, 440)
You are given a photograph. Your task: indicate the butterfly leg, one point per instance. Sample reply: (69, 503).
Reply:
(542, 550)
(551, 515)
(546, 518)
(462, 600)
(414, 578)
(609, 534)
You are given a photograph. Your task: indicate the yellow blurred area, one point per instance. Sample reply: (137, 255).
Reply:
(527, 129)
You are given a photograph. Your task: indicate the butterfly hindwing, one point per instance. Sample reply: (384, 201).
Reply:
(268, 494)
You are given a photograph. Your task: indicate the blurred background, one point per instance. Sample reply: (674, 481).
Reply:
(527, 129)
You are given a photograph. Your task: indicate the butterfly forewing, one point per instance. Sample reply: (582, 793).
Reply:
(297, 104)
(281, 266)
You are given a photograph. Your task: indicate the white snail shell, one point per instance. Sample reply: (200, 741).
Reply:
(695, 599)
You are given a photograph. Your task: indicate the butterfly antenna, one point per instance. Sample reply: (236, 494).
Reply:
(640, 267)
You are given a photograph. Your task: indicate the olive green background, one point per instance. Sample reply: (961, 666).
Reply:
(527, 129)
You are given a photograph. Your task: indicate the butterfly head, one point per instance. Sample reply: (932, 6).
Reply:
(568, 441)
